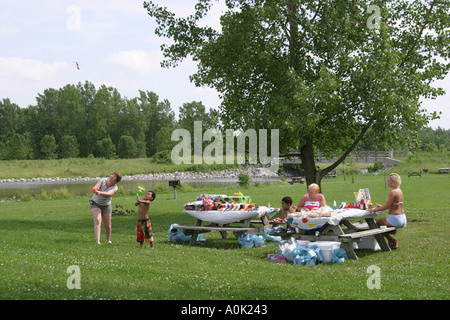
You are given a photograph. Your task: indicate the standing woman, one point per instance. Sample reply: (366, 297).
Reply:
(101, 204)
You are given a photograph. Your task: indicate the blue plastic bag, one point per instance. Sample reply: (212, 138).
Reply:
(177, 235)
(338, 256)
(304, 256)
(316, 249)
(269, 237)
(246, 240)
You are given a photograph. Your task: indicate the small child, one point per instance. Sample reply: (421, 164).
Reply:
(287, 207)
(144, 226)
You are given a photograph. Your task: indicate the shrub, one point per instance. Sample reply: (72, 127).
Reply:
(48, 147)
(377, 166)
(162, 157)
(106, 148)
(62, 193)
(244, 180)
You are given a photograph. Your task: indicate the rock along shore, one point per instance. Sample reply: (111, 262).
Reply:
(189, 175)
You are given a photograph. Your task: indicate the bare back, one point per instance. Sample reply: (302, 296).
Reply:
(396, 196)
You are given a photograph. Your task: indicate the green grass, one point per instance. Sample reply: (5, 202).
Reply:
(40, 239)
(93, 167)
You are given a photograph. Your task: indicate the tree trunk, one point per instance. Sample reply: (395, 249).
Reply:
(312, 175)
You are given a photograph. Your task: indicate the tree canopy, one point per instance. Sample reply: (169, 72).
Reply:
(325, 73)
(80, 120)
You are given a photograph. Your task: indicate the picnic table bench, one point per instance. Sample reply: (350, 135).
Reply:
(248, 225)
(348, 239)
(443, 170)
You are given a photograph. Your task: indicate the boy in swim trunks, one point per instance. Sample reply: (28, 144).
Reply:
(287, 207)
(144, 226)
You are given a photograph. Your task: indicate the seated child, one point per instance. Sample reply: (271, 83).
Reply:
(287, 207)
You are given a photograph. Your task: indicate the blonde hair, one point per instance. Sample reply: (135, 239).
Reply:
(315, 186)
(395, 178)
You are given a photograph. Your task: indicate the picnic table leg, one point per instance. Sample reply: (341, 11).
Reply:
(348, 246)
(246, 224)
(195, 233)
(380, 238)
(265, 221)
(224, 233)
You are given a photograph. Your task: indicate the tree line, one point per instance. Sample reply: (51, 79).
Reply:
(80, 121)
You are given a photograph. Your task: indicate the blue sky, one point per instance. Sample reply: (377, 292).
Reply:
(114, 43)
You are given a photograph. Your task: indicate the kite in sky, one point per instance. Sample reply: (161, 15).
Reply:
(78, 66)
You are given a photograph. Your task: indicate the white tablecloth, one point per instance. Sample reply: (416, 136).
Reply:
(224, 217)
(307, 223)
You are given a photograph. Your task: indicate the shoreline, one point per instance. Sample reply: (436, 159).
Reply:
(188, 175)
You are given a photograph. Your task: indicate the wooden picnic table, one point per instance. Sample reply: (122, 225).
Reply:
(300, 180)
(246, 225)
(347, 233)
(339, 227)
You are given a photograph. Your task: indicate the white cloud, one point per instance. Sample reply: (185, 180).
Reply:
(440, 104)
(139, 61)
(209, 97)
(29, 69)
(6, 31)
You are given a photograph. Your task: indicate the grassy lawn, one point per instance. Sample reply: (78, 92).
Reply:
(40, 239)
(94, 167)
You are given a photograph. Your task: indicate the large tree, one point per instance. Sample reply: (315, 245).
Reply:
(325, 73)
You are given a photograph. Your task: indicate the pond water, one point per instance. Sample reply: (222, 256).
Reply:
(81, 188)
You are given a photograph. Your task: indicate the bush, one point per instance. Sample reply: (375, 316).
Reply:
(48, 147)
(106, 148)
(244, 180)
(377, 166)
(163, 157)
(62, 193)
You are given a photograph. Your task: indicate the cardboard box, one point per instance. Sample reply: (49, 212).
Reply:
(369, 243)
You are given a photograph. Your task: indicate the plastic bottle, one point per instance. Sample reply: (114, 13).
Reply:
(334, 205)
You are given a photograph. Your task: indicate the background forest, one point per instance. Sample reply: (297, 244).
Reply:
(79, 121)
